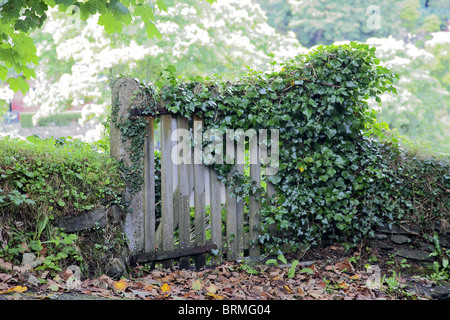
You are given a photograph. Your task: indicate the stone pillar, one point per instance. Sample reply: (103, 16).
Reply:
(123, 93)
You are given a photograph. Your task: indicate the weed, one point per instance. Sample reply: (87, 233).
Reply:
(393, 286)
(45, 179)
(292, 268)
(441, 268)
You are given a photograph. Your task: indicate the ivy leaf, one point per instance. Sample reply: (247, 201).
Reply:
(274, 179)
(307, 270)
(331, 171)
(291, 271)
(282, 258)
(330, 133)
(307, 112)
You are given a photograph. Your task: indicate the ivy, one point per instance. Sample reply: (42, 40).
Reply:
(335, 180)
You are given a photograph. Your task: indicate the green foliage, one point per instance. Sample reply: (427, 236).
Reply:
(19, 18)
(54, 177)
(292, 269)
(324, 22)
(432, 23)
(441, 267)
(59, 249)
(317, 102)
(59, 119)
(43, 180)
(409, 13)
(341, 173)
(420, 110)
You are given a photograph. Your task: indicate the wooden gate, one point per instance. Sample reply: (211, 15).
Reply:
(217, 225)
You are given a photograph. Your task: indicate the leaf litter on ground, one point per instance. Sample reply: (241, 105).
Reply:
(230, 280)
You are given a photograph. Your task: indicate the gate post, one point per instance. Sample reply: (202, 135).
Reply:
(123, 93)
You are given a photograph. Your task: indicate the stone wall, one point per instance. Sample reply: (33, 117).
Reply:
(115, 261)
(409, 242)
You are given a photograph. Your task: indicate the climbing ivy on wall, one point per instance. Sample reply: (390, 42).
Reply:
(334, 181)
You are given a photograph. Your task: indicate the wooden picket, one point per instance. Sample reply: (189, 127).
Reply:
(175, 205)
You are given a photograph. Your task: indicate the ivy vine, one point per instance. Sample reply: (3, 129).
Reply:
(335, 181)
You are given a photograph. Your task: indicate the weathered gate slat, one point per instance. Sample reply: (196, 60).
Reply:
(149, 189)
(166, 186)
(215, 211)
(254, 204)
(199, 194)
(240, 220)
(231, 224)
(184, 226)
(175, 204)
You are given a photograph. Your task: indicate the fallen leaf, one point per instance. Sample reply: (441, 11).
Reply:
(157, 273)
(343, 285)
(345, 266)
(120, 285)
(288, 289)
(211, 289)
(355, 277)
(315, 294)
(322, 284)
(54, 287)
(5, 277)
(215, 296)
(23, 269)
(165, 288)
(141, 294)
(25, 247)
(103, 281)
(197, 285)
(18, 289)
(168, 278)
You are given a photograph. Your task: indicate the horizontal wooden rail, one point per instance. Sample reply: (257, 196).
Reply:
(167, 255)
